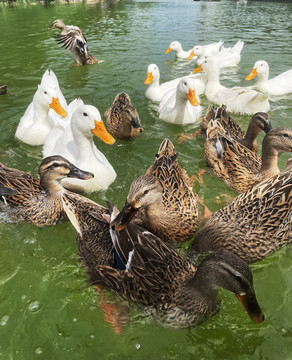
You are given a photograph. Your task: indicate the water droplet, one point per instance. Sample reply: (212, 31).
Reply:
(92, 336)
(74, 319)
(34, 306)
(4, 320)
(138, 346)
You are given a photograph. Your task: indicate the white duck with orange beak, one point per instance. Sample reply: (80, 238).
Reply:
(76, 145)
(182, 105)
(36, 123)
(279, 86)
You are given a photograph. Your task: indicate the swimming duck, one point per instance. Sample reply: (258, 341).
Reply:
(210, 49)
(237, 99)
(181, 106)
(255, 224)
(72, 39)
(76, 145)
(239, 167)
(3, 89)
(33, 200)
(122, 119)
(183, 295)
(226, 57)
(36, 123)
(278, 86)
(162, 199)
(259, 121)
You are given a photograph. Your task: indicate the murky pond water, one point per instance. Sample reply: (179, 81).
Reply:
(47, 309)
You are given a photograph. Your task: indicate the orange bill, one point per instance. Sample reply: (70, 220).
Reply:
(149, 78)
(55, 105)
(252, 74)
(191, 55)
(198, 69)
(168, 50)
(192, 97)
(101, 132)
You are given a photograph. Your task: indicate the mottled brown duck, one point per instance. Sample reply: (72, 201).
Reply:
(3, 89)
(37, 201)
(122, 119)
(255, 224)
(162, 199)
(259, 121)
(239, 167)
(72, 39)
(182, 295)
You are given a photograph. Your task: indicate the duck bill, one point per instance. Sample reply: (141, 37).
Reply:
(168, 50)
(101, 132)
(192, 97)
(251, 306)
(55, 105)
(51, 27)
(136, 124)
(252, 74)
(124, 217)
(191, 55)
(80, 174)
(198, 69)
(149, 78)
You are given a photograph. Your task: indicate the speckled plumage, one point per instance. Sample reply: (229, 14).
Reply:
(255, 224)
(122, 119)
(239, 167)
(163, 199)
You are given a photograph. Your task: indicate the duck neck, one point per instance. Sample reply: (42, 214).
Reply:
(40, 113)
(251, 136)
(85, 146)
(52, 187)
(262, 78)
(213, 81)
(269, 160)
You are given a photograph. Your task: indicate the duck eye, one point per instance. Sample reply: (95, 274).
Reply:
(146, 192)
(45, 92)
(85, 114)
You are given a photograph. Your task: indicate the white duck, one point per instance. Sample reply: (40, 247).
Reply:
(237, 99)
(278, 86)
(156, 91)
(227, 57)
(181, 106)
(81, 151)
(59, 128)
(36, 123)
(176, 46)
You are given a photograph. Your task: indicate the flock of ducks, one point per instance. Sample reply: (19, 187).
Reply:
(131, 251)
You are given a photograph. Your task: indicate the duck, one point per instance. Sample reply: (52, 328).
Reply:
(255, 224)
(180, 294)
(279, 86)
(76, 145)
(226, 57)
(122, 119)
(237, 99)
(3, 89)
(156, 91)
(37, 201)
(37, 121)
(72, 39)
(259, 121)
(162, 200)
(211, 49)
(181, 106)
(59, 128)
(239, 167)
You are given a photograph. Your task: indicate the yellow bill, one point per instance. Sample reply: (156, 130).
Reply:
(192, 97)
(55, 105)
(101, 132)
(149, 78)
(198, 69)
(191, 55)
(252, 74)
(168, 50)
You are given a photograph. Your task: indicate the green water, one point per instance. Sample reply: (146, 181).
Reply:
(47, 309)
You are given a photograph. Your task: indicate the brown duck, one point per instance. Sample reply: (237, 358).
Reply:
(122, 119)
(239, 167)
(37, 201)
(255, 224)
(162, 199)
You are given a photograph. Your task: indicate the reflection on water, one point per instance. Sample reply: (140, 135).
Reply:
(47, 309)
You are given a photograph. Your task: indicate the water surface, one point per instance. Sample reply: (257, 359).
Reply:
(47, 309)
